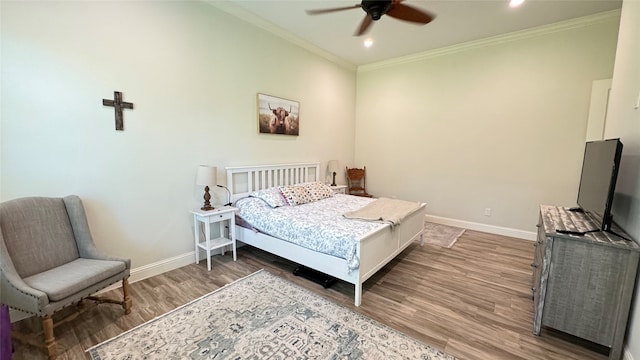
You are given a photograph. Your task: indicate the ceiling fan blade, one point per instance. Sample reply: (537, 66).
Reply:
(409, 13)
(325, 11)
(364, 26)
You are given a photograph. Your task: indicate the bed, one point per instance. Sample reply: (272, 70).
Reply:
(373, 249)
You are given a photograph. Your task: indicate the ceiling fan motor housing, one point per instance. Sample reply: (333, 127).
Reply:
(376, 8)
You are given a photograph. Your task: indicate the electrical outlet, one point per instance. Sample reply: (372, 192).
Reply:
(487, 211)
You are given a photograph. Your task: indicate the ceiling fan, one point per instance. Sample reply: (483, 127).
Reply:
(376, 8)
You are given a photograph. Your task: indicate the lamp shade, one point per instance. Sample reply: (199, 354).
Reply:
(207, 175)
(333, 166)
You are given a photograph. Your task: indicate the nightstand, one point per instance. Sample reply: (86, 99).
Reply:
(224, 215)
(339, 189)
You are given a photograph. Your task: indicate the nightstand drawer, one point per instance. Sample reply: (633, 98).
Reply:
(221, 217)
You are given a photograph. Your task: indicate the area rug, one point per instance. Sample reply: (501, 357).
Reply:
(441, 235)
(263, 316)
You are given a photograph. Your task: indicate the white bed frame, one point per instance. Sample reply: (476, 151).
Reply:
(374, 249)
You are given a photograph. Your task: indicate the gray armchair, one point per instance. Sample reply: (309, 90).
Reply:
(48, 260)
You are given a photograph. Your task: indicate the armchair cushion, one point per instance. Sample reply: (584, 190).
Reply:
(75, 276)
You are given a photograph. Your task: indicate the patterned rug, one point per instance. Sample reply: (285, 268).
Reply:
(441, 235)
(263, 316)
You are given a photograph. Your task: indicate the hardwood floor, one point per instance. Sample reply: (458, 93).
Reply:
(472, 301)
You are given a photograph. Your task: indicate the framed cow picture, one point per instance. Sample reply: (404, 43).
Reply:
(278, 116)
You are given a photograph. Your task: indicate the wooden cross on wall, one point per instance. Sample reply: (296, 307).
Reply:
(118, 105)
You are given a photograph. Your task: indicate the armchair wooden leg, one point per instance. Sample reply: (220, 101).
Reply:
(49, 340)
(126, 304)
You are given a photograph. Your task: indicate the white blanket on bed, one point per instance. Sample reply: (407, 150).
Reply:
(392, 211)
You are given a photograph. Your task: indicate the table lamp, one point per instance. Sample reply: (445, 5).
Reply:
(332, 168)
(207, 175)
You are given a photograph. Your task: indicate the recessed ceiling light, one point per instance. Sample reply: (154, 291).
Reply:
(515, 3)
(368, 42)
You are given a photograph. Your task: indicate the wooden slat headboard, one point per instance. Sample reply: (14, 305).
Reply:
(243, 180)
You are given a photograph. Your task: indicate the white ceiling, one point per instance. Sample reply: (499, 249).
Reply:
(457, 21)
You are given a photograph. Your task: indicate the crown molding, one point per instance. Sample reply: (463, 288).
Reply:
(270, 27)
(496, 40)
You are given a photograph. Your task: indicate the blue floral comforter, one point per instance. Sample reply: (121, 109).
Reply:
(318, 225)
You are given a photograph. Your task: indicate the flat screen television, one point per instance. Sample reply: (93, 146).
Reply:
(598, 180)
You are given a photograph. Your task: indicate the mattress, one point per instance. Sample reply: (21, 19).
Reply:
(318, 226)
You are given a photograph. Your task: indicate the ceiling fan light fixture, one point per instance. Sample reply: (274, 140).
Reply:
(368, 42)
(515, 3)
(376, 8)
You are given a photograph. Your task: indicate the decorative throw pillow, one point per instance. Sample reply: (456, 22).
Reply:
(272, 196)
(296, 194)
(318, 190)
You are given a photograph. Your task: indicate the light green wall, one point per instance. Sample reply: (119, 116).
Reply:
(192, 72)
(623, 121)
(501, 125)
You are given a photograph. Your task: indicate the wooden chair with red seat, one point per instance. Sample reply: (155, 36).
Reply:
(356, 181)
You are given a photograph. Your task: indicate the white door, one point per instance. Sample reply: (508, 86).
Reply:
(600, 90)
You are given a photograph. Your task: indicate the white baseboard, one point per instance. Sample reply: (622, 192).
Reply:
(162, 266)
(492, 229)
(156, 268)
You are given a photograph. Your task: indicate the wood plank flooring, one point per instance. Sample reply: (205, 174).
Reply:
(472, 301)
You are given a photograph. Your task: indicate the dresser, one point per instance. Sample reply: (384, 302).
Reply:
(583, 284)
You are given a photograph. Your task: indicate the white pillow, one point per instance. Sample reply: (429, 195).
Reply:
(272, 196)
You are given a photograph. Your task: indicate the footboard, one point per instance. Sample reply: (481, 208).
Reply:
(380, 247)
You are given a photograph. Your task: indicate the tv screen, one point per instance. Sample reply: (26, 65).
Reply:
(598, 180)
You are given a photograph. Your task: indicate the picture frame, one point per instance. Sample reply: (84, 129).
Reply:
(278, 116)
